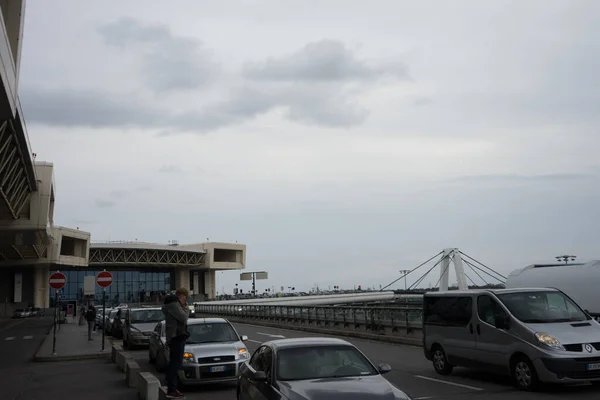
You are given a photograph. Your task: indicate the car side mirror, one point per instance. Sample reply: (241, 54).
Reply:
(384, 368)
(259, 376)
(244, 338)
(502, 322)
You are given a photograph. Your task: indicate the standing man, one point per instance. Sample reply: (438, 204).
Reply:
(90, 315)
(176, 315)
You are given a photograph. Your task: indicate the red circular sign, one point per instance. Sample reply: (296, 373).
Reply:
(104, 279)
(57, 280)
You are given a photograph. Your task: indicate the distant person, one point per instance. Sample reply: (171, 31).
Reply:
(176, 312)
(90, 315)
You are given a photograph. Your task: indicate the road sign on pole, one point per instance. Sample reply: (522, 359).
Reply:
(57, 280)
(104, 279)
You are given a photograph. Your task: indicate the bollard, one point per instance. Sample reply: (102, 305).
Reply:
(115, 349)
(162, 393)
(132, 369)
(148, 386)
(122, 357)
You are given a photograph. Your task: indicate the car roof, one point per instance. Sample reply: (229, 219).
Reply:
(145, 309)
(279, 344)
(196, 321)
(451, 293)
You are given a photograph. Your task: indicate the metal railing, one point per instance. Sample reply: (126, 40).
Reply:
(392, 321)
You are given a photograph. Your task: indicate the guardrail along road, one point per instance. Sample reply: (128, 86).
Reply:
(396, 324)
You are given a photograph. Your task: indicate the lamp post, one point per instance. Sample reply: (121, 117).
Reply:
(404, 272)
(565, 258)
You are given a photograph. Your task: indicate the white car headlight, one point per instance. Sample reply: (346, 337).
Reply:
(549, 341)
(243, 354)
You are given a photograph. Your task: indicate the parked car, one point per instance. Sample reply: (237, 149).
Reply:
(534, 335)
(139, 325)
(313, 368)
(213, 352)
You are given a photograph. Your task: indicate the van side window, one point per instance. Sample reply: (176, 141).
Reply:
(488, 309)
(449, 311)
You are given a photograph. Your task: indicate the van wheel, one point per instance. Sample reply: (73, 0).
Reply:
(524, 374)
(440, 362)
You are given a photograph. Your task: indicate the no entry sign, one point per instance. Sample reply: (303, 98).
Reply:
(104, 279)
(57, 280)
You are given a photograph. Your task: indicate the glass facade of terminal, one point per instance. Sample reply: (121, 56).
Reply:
(127, 287)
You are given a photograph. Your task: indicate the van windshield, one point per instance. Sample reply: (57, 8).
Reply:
(541, 307)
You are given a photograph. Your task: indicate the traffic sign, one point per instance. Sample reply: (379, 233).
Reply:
(57, 280)
(104, 279)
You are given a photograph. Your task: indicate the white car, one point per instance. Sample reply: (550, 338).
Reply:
(213, 352)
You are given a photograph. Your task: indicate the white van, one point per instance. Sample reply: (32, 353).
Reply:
(579, 281)
(535, 335)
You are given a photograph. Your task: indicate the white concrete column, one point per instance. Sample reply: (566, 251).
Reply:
(445, 270)
(197, 288)
(461, 277)
(182, 278)
(210, 284)
(41, 290)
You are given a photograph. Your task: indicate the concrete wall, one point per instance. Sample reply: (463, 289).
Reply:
(69, 247)
(222, 256)
(39, 213)
(11, 35)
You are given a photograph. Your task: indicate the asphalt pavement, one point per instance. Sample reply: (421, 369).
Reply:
(23, 379)
(411, 372)
(21, 338)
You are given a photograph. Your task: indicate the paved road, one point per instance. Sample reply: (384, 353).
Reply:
(20, 339)
(411, 373)
(22, 379)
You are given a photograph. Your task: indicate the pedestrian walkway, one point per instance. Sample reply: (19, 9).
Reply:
(72, 344)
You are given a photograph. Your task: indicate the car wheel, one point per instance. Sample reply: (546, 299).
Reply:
(440, 362)
(524, 374)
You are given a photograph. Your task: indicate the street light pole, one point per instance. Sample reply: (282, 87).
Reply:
(405, 272)
(565, 258)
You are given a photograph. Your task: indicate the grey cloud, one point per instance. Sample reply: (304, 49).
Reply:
(422, 101)
(528, 178)
(170, 169)
(119, 194)
(169, 63)
(69, 108)
(326, 60)
(105, 203)
(144, 189)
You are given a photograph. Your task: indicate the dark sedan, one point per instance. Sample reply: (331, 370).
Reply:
(313, 369)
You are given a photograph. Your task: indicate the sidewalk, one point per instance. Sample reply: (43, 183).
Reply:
(72, 344)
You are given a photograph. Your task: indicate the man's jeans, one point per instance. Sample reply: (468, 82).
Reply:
(90, 329)
(176, 350)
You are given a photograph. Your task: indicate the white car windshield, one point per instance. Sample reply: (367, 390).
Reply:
(211, 333)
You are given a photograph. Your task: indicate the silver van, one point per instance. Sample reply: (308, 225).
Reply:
(535, 335)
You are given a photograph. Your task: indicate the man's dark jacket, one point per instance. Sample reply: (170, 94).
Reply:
(176, 316)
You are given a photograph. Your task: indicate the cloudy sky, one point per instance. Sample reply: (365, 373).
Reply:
(341, 140)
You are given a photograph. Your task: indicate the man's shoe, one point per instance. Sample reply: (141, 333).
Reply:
(175, 395)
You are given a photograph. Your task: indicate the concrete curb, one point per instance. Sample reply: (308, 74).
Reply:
(338, 332)
(73, 357)
(37, 351)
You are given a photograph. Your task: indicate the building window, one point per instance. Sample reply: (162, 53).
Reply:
(127, 287)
